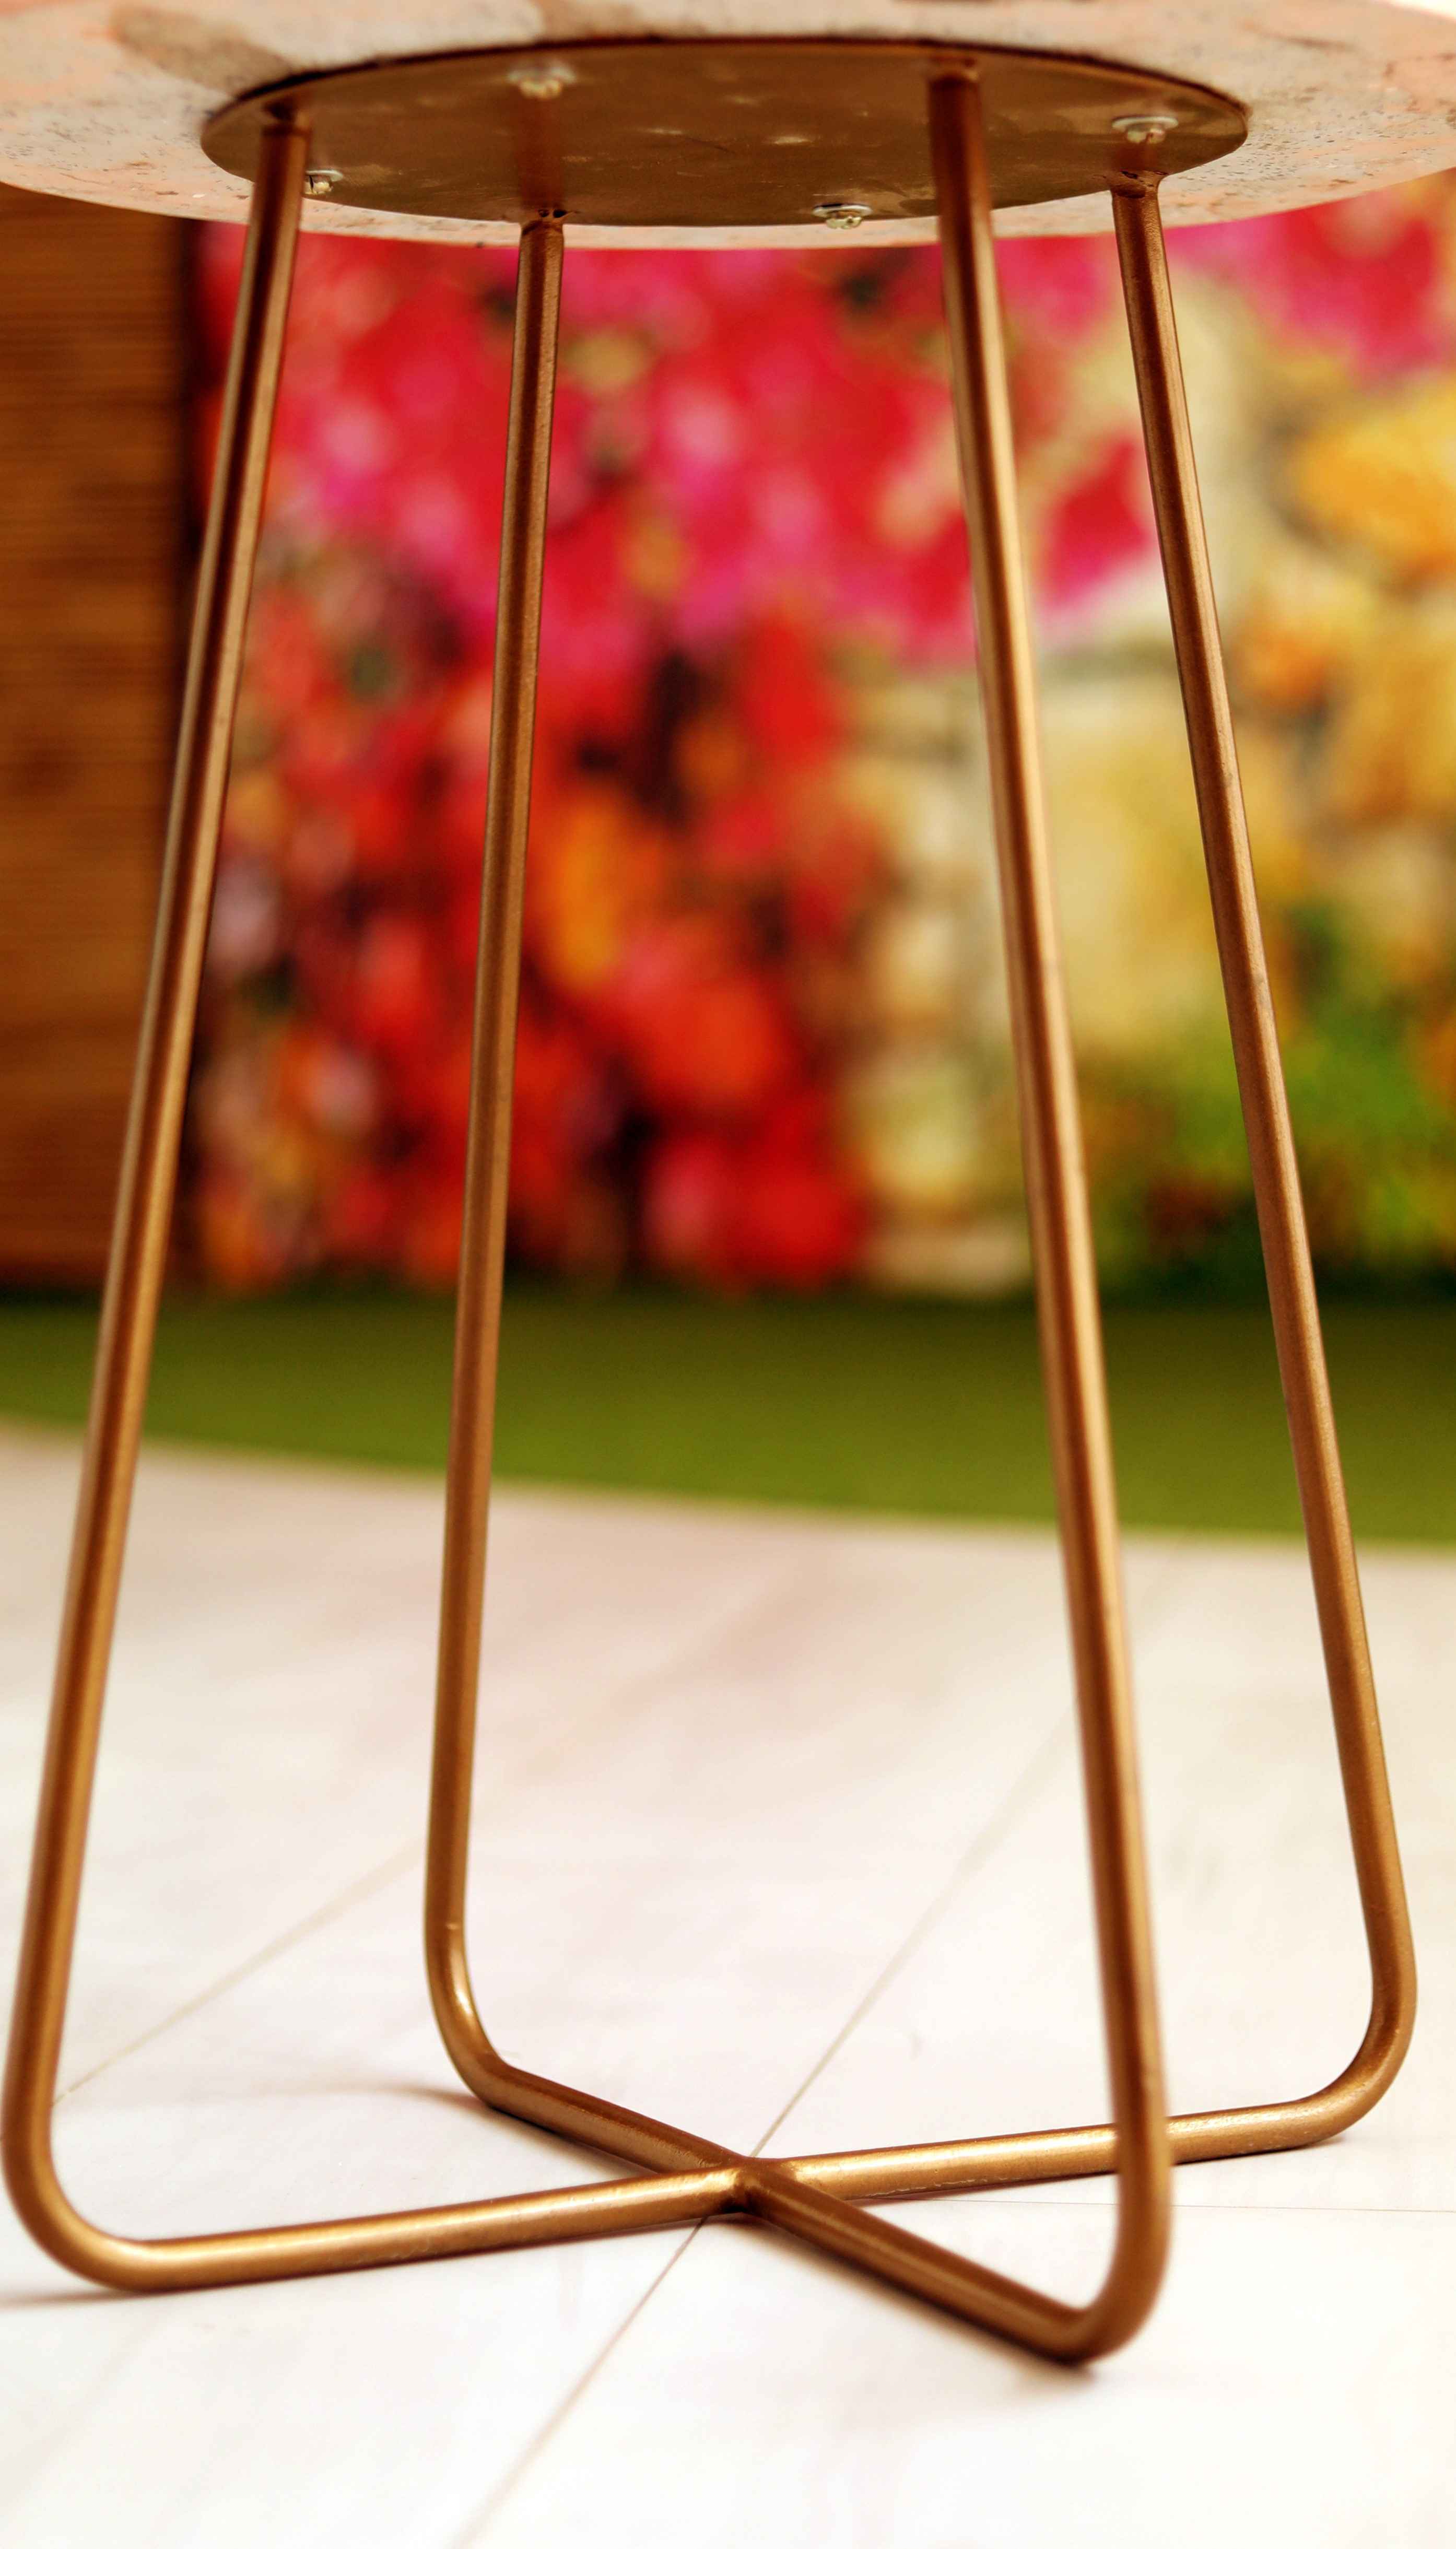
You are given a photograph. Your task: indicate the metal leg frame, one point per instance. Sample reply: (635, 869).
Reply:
(689, 2179)
(1022, 2159)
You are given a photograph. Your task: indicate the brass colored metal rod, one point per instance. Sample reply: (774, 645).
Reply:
(1067, 1303)
(488, 1141)
(149, 1162)
(594, 2121)
(805, 2198)
(415, 2237)
(1275, 1167)
(985, 2162)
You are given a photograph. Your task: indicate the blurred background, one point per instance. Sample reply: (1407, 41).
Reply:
(767, 1227)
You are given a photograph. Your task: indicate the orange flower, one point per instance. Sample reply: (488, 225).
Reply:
(598, 866)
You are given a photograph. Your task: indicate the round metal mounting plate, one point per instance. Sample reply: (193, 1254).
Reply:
(687, 134)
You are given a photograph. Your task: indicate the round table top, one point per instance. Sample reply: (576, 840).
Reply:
(105, 100)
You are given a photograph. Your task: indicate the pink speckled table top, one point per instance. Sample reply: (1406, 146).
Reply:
(106, 102)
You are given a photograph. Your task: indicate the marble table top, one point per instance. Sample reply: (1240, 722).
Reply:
(105, 100)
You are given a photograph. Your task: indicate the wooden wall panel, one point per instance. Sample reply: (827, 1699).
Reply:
(91, 518)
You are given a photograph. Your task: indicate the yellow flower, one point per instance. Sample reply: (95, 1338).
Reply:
(1382, 477)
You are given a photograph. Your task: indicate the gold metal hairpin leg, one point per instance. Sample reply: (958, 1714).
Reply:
(1021, 2159)
(797, 2195)
(124, 1356)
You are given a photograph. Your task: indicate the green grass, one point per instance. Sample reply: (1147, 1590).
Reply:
(888, 1406)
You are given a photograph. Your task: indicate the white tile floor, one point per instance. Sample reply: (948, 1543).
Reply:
(777, 1837)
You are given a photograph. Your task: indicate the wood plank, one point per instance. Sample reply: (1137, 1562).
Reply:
(92, 383)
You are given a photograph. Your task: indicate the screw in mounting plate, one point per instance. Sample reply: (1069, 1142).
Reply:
(1155, 126)
(841, 217)
(539, 81)
(321, 181)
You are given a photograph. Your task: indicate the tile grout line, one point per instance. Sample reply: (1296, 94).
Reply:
(475, 2526)
(1160, 1599)
(1002, 1821)
(359, 1889)
(1018, 1797)
(750, 1610)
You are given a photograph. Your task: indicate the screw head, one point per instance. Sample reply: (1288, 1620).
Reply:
(1154, 126)
(842, 216)
(539, 81)
(321, 181)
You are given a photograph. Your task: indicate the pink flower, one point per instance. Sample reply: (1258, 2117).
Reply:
(1098, 527)
(1367, 279)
